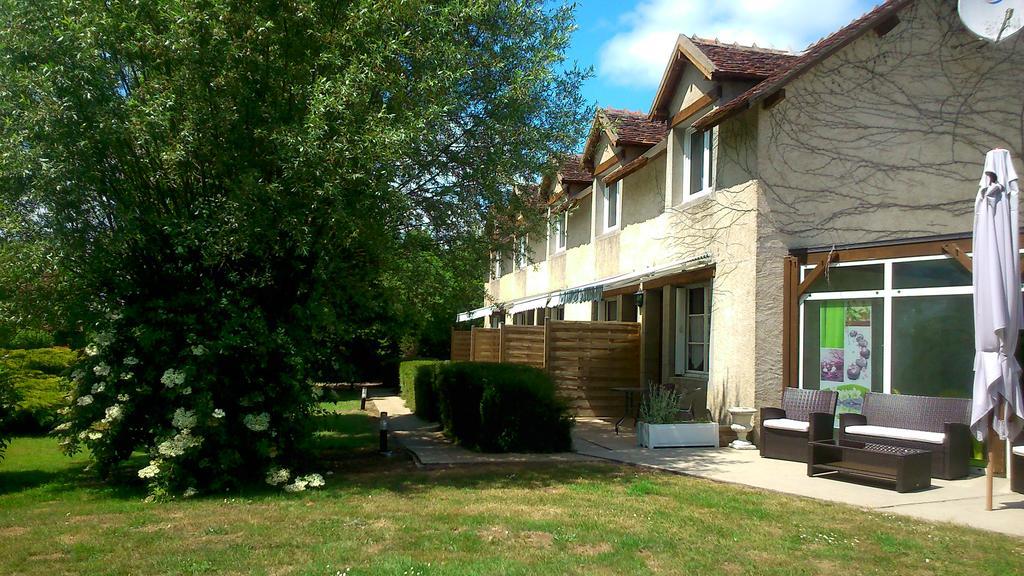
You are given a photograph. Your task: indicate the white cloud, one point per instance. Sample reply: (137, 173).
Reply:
(636, 56)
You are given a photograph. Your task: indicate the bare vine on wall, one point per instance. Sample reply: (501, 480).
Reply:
(885, 139)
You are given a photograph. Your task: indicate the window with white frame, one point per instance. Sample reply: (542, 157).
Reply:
(900, 326)
(611, 310)
(520, 256)
(612, 204)
(692, 330)
(498, 271)
(699, 169)
(559, 230)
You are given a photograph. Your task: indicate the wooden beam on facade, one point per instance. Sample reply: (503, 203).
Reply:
(769, 102)
(816, 273)
(958, 254)
(790, 322)
(696, 106)
(626, 170)
(606, 165)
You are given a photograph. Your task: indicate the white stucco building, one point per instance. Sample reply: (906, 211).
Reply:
(770, 204)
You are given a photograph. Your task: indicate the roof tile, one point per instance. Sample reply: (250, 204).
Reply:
(816, 53)
(746, 61)
(634, 128)
(572, 170)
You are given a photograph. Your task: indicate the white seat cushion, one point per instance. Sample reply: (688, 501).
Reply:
(898, 433)
(787, 424)
(1018, 450)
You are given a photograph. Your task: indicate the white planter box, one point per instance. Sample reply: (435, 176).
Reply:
(685, 435)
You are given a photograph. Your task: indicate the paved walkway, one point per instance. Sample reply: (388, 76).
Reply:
(957, 501)
(429, 447)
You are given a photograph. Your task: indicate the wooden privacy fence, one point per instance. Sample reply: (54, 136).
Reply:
(461, 345)
(585, 359)
(484, 344)
(522, 345)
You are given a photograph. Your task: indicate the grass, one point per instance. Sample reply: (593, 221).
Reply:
(385, 516)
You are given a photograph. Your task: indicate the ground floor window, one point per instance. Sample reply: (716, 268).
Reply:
(525, 318)
(692, 329)
(899, 326)
(611, 310)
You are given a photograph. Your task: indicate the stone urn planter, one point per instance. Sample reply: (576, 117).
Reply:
(679, 435)
(742, 424)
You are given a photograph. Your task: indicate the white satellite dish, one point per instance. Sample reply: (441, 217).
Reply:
(993, 20)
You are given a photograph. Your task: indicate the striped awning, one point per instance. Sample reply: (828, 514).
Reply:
(474, 314)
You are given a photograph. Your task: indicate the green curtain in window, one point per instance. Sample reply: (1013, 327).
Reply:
(833, 323)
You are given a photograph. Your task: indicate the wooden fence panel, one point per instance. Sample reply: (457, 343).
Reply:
(587, 359)
(461, 345)
(485, 344)
(522, 345)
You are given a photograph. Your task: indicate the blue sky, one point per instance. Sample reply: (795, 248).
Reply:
(628, 42)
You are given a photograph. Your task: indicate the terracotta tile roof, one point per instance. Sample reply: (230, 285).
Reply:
(796, 66)
(572, 170)
(744, 61)
(634, 128)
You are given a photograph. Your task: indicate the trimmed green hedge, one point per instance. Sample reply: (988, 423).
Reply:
(38, 380)
(501, 408)
(417, 390)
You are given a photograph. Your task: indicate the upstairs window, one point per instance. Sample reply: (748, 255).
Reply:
(520, 255)
(559, 230)
(698, 163)
(612, 205)
(498, 271)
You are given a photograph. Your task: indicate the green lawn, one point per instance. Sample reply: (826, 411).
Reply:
(385, 516)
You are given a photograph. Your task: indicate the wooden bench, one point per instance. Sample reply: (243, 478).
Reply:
(939, 425)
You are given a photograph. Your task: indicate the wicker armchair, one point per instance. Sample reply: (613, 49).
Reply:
(805, 416)
(939, 425)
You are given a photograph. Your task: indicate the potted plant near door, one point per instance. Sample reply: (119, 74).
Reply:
(663, 424)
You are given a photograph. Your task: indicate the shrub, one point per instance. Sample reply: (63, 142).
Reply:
(37, 377)
(31, 339)
(426, 394)
(418, 395)
(661, 406)
(501, 408)
(8, 403)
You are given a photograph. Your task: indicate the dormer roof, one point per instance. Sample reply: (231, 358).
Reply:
(716, 61)
(623, 128)
(881, 17)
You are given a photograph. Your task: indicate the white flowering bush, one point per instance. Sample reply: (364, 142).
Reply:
(204, 414)
(272, 191)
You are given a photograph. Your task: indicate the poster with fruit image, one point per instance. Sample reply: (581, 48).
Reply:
(846, 355)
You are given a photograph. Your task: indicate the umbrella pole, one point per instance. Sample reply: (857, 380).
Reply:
(988, 473)
(989, 469)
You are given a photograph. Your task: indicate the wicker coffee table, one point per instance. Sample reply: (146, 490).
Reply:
(908, 468)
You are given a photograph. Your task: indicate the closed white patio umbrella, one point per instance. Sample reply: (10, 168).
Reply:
(997, 403)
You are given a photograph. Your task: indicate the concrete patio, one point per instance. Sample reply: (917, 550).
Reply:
(956, 501)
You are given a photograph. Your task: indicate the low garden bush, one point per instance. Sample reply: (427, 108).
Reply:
(501, 408)
(8, 404)
(31, 339)
(415, 378)
(37, 377)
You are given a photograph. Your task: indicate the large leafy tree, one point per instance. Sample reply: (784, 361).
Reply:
(234, 184)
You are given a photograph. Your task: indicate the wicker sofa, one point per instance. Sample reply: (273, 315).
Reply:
(939, 425)
(805, 415)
